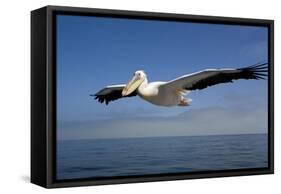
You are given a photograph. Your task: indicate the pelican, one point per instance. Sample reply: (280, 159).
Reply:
(172, 93)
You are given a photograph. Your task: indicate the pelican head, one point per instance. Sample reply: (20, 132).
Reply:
(134, 83)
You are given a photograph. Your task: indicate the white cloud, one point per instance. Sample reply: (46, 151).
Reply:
(205, 121)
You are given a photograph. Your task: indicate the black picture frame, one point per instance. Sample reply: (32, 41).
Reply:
(43, 95)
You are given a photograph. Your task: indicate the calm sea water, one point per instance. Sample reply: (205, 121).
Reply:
(139, 156)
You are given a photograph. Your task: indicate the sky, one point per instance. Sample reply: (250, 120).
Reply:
(93, 52)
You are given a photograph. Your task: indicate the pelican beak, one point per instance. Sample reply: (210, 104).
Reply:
(132, 85)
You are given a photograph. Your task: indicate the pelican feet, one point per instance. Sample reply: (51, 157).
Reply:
(184, 102)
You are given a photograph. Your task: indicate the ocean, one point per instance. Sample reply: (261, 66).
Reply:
(157, 155)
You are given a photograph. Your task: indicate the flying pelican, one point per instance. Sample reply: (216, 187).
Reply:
(172, 93)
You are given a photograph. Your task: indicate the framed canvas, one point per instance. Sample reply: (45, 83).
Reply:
(126, 96)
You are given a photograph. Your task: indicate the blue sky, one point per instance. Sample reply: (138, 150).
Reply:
(93, 52)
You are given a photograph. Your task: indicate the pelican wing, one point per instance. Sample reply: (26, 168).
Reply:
(210, 77)
(111, 93)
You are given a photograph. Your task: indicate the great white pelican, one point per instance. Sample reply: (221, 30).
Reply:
(172, 93)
